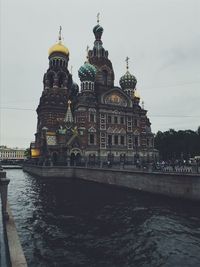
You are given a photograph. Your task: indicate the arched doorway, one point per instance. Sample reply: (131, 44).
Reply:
(75, 156)
(78, 158)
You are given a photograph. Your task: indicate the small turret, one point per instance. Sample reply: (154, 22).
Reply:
(128, 81)
(87, 74)
(68, 116)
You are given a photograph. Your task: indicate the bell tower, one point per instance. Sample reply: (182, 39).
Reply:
(98, 57)
(57, 89)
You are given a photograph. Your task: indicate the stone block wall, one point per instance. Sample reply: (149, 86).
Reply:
(175, 185)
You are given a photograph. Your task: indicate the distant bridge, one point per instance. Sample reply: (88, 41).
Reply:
(11, 167)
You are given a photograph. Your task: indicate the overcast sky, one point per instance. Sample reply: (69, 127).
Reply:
(161, 38)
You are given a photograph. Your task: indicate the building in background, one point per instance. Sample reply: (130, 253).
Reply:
(11, 154)
(99, 122)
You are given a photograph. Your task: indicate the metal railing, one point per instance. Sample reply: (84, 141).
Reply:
(147, 167)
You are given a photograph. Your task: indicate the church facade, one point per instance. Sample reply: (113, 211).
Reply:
(98, 122)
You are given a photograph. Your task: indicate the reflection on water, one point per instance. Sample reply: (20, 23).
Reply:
(76, 223)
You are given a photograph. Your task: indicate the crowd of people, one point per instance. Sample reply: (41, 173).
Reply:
(177, 165)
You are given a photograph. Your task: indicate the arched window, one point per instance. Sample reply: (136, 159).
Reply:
(61, 77)
(50, 78)
(91, 139)
(105, 77)
(92, 117)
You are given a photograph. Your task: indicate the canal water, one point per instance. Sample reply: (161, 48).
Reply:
(76, 223)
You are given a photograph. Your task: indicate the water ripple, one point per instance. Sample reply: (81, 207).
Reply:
(75, 223)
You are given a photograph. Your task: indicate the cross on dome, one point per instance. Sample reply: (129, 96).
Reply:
(59, 46)
(87, 53)
(127, 59)
(98, 14)
(60, 34)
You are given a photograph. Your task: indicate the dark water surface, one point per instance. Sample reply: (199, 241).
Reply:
(76, 223)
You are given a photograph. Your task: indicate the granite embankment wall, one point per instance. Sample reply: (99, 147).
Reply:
(11, 252)
(182, 185)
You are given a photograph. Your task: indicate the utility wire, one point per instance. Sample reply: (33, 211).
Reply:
(176, 116)
(154, 115)
(12, 108)
(145, 87)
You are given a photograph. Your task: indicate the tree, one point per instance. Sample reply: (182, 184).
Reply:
(178, 144)
(27, 153)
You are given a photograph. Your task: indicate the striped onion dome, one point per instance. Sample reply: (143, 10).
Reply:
(87, 72)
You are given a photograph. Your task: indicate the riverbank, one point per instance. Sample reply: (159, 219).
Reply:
(11, 252)
(180, 185)
(15, 251)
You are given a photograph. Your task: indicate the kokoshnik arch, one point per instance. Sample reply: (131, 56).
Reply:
(99, 122)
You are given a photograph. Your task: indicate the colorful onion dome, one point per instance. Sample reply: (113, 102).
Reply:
(128, 81)
(87, 72)
(98, 30)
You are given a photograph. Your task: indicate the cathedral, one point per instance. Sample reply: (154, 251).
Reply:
(94, 122)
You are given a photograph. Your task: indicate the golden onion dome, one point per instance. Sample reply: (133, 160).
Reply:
(59, 47)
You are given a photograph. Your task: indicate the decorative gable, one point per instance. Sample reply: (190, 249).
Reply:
(116, 97)
(92, 130)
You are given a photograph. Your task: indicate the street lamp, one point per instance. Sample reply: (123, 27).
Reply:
(110, 146)
(44, 143)
(136, 153)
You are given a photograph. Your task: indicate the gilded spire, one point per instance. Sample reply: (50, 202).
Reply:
(127, 66)
(98, 14)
